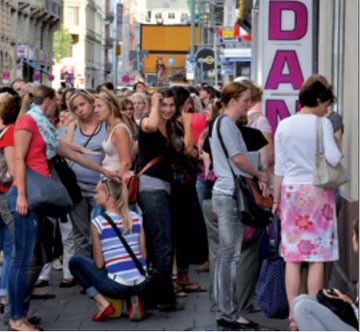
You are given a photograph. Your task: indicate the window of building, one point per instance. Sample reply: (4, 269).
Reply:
(171, 16)
(158, 15)
(72, 15)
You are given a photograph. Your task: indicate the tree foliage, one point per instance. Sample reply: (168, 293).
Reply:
(61, 44)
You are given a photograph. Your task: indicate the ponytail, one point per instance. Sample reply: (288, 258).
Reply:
(119, 193)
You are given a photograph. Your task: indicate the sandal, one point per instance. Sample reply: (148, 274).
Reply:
(292, 324)
(179, 291)
(192, 287)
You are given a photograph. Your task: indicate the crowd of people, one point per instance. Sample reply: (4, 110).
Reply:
(186, 144)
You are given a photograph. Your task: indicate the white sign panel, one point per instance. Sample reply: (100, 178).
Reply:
(286, 55)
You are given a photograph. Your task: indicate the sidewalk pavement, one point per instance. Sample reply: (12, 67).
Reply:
(71, 311)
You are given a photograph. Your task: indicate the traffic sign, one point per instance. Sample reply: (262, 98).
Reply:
(205, 59)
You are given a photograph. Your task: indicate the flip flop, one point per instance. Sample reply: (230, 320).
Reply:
(179, 291)
(192, 287)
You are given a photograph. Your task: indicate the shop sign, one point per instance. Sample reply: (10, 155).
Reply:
(286, 55)
(6, 77)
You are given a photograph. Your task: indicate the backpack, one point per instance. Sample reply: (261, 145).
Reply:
(5, 177)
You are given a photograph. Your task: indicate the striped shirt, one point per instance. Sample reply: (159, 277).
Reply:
(117, 259)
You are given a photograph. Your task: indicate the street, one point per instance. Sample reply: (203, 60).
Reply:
(71, 311)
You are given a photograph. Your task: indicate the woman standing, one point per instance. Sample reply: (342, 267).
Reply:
(35, 142)
(235, 99)
(185, 206)
(308, 214)
(9, 110)
(156, 145)
(118, 144)
(87, 131)
(140, 103)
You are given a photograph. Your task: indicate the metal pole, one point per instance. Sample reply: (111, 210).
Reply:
(215, 59)
(192, 31)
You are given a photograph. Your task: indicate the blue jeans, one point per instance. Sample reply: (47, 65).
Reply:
(310, 315)
(25, 231)
(231, 232)
(156, 209)
(95, 280)
(6, 240)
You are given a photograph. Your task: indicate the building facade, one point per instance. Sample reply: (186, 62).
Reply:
(26, 34)
(85, 20)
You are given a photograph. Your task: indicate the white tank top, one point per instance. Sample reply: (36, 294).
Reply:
(112, 161)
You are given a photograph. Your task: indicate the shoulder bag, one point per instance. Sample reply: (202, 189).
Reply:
(254, 209)
(325, 175)
(68, 178)
(47, 195)
(270, 289)
(132, 182)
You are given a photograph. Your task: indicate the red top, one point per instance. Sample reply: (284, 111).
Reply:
(7, 140)
(198, 124)
(36, 156)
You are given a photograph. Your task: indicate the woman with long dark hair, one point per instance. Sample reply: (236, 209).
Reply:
(156, 146)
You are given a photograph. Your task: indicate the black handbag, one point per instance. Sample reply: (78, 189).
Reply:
(270, 288)
(254, 209)
(47, 195)
(339, 307)
(68, 178)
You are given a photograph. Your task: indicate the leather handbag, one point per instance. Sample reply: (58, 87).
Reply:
(254, 209)
(339, 307)
(47, 195)
(132, 182)
(325, 175)
(68, 178)
(270, 289)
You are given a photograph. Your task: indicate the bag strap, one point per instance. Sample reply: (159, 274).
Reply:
(222, 143)
(3, 132)
(319, 136)
(125, 244)
(277, 234)
(150, 164)
(92, 135)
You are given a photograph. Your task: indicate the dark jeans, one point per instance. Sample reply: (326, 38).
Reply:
(155, 206)
(95, 280)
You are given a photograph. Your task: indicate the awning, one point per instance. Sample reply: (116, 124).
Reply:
(35, 66)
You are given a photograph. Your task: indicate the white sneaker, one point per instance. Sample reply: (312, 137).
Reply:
(57, 264)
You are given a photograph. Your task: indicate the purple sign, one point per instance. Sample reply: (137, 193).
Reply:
(6, 75)
(36, 77)
(51, 77)
(286, 55)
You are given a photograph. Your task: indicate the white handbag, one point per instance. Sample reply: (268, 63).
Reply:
(325, 175)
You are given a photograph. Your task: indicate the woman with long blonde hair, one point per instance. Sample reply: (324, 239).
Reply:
(118, 144)
(112, 272)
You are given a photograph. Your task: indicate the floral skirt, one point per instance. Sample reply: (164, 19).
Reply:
(308, 224)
